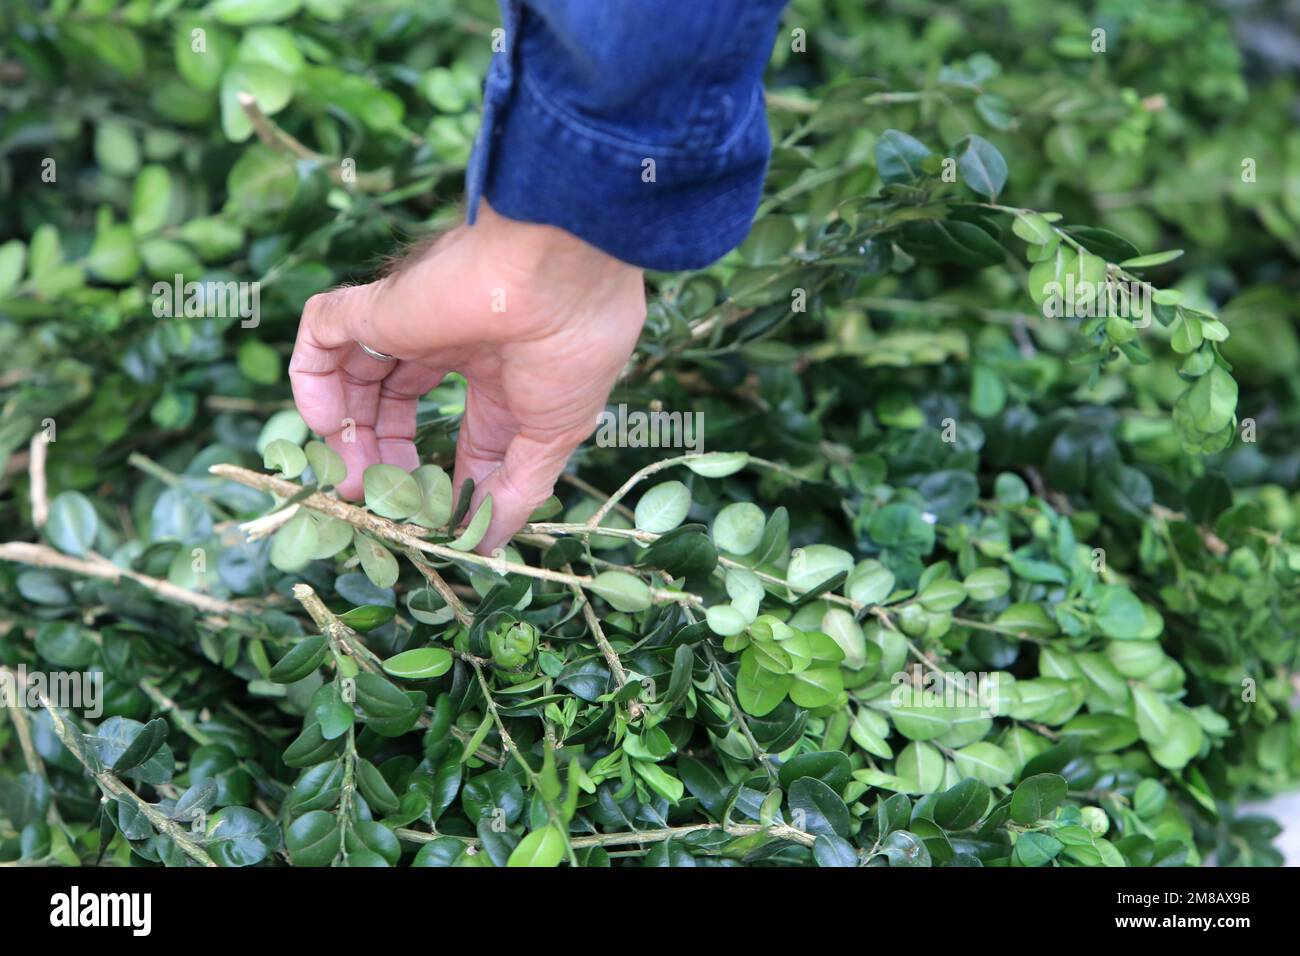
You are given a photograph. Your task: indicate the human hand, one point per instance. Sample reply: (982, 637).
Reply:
(538, 322)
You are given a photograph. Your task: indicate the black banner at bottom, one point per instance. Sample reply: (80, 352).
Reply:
(146, 905)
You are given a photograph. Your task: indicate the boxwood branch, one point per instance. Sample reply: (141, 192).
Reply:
(111, 785)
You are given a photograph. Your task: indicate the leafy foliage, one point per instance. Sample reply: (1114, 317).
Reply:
(986, 564)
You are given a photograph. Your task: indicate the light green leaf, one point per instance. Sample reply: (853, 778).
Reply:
(435, 495)
(623, 591)
(421, 663)
(72, 523)
(376, 560)
(738, 528)
(285, 457)
(391, 492)
(326, 464)
(476, 529)
(541, 848)
(244, 12)
(986, 762)
(718, 464)
(663, 507)
(295, 543)
(816, 564)
(151, 200)
(870, 582)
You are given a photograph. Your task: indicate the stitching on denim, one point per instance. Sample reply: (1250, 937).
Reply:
(575, 125)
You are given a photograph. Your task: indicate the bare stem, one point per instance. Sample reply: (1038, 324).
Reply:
(780, 831)
(40, 448)
(282, 142)
(405, 536)
(97, 566)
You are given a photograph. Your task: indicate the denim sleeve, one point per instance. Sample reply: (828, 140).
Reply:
(637, 125)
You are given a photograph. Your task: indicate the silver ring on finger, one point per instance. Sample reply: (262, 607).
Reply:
(374, 354)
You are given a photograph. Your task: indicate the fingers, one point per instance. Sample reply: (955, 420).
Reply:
(525, 479)
(327, 371)
(517, 470)
(362, 406)
(395, 416)
(486, 431)
(359, 450)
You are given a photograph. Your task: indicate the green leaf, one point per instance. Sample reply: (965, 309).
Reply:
(759, 690)
(259, 362)
(1036, 797)
(1119, 613)
(725, 620)
(379, 698)
(663, 507)
(1033, 228)
(922, 722)
(151, 200)
(117, 149)
(982, 167)
(367, 617)
(241, 13)
(904, 848)
(1153, 259)
(274, 46)
(285, 457)
(72, 523)
(623, 591)
(543, 848)
(261, 182)
(375, 788)
(818, 808)
(314, 839)
(987, 584)
(13, 256)
(718, 464)
(1027, 619)
(815, 564)
(1152, 714)
(769, 239)
(816, 686)
(870, 582)
(303, 658)
(147, 742)
(435, 496)
(295, 543)
(326, 464)
(962, 805)
(738, 527)
(421, 663)
(377, 561)
(986, 762)
(921, 765)
(899, 157)
(1212, 400)
(238, 836)
(391, 492)
(830, 850)
(476, 529)
(941, 595)
(659, 780)
(332, 536)
(113, 256)
(1036, 849)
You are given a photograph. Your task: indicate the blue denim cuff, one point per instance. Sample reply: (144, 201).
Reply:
(658, 207)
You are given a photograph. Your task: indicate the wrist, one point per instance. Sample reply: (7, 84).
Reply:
(543, 251)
